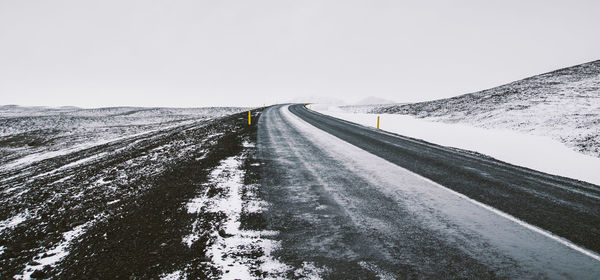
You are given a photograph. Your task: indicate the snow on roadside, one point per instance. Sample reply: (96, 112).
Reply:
(247, 144)
(535, 152)
(310, 271)
(230, 252)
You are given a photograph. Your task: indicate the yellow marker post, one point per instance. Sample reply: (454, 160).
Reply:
(309, 107)
(249, 117)
(377, 122)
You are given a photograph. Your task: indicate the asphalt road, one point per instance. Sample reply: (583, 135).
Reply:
(354, 202)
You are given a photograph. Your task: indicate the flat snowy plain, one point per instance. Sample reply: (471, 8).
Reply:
(531, 151)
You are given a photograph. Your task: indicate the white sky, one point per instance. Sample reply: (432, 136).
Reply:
(243, 53)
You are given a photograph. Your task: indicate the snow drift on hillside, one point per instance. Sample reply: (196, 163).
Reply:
(563, 104)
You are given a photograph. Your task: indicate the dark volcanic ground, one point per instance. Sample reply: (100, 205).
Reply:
(121, 210)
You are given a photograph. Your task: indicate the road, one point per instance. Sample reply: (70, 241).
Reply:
(354, 202)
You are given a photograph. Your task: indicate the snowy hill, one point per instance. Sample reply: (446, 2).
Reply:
(563, 104)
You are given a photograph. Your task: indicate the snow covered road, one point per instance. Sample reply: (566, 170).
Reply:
(349, 201)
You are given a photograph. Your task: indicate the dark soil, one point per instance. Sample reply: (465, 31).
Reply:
(140, 235)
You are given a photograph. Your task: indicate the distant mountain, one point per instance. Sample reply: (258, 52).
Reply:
(563, 104)
(371, 100)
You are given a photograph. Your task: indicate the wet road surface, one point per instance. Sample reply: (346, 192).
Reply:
(352, 202)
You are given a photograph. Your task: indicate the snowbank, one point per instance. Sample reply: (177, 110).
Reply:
(535, 152)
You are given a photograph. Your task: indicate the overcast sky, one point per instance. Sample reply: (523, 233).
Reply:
(203, 53)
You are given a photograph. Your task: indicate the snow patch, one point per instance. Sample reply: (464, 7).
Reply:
(33, 158)
(113, 202)
(71, 164)
(176, 275)
(228, 251)
(62, 179)
(194, 206)
(56, 254)
(310, 271)
(14, 221)
(256, 206)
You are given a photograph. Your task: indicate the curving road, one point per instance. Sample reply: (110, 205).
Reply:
(353, 202)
